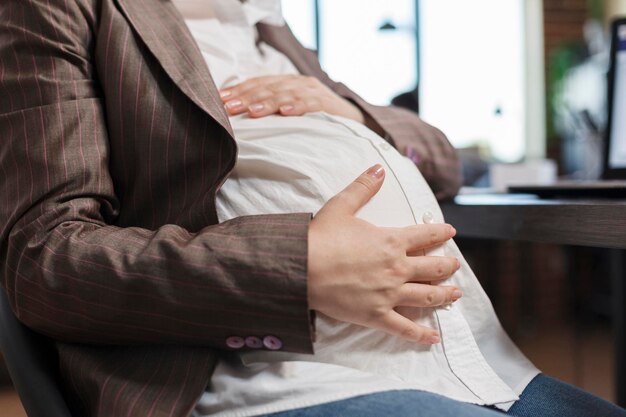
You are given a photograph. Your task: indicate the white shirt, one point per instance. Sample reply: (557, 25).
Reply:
(295, 164)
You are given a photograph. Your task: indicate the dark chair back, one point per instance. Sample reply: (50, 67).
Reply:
(32, 363)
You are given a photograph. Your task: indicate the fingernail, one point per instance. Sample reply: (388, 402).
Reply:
(434, 339)
(452, 231)
(233, 104)
(256, 108)
(377, 171)
(458, 264)
(456, 294)
(225, 93)
(286, 108)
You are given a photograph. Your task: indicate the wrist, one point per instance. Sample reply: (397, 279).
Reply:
(358, 114)
(352, 111)
(366, 119)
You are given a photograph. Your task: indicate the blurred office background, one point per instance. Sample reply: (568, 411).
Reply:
(507, 81)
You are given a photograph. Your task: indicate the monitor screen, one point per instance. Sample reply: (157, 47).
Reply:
(617, 139)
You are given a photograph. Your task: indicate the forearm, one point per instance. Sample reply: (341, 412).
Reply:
(70, 270)
(74, 277)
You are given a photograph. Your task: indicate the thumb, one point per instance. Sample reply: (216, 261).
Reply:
(359, 192)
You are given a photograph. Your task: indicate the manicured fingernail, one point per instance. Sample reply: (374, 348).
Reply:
(225, 93)
(452, 231)
(286, 108)
(376, 171)
(456, 294)
(256, 108)
(434, 339)
(233, 104)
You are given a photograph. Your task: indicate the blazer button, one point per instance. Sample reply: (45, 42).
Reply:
(254, 342)
(235, 342)
(412, 154)
(272, 343)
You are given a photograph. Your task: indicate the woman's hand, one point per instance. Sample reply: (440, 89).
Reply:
(360, 273)
(287, 95)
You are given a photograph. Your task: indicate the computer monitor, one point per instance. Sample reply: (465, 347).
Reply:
(615, 155)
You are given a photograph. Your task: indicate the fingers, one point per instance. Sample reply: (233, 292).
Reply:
(260, 101)
(299, 107)
(424, 236)
(286, 105)
(429, 268)
(400, 326)
(357, 193)
(288, 95)
(257, 95)
(270, 105)
(236, 91)
(423, 295)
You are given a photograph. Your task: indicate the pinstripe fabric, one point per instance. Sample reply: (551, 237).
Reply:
(113, 142)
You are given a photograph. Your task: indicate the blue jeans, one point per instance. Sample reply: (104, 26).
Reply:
(543, 397)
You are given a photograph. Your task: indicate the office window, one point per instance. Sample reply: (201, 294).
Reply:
(473, 73)
(378, 65)
(472, 65)
(300, 14)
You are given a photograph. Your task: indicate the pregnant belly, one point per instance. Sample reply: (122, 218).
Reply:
(295, 164)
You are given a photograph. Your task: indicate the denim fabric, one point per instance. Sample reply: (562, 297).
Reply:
(548, 397)
(393, 404)
(543, 397)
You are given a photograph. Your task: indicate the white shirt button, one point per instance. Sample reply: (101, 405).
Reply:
(385, 146)
(427, 217)
(448, 307)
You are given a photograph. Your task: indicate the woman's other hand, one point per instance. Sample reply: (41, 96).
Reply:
(287, 95)
(360, 273)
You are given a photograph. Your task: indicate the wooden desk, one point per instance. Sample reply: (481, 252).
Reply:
(599, 223)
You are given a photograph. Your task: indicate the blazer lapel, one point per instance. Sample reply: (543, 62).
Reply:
(163, 30)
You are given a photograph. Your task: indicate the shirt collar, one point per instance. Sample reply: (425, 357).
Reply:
(265, 11)
(248, 13)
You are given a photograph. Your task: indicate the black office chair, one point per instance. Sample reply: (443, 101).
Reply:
(32, 364)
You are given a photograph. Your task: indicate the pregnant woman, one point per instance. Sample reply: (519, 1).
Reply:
(114, 143)
(298, 146)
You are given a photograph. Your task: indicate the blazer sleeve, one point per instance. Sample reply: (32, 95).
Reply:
(69, 271)
(428, 147)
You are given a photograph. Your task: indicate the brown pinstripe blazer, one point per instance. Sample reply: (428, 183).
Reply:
(113, 142)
